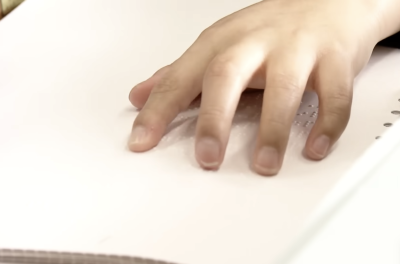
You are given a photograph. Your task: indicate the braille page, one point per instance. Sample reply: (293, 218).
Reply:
(358, 222)
(68, 182)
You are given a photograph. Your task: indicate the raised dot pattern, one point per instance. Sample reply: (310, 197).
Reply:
(307, 113)
(388, 124)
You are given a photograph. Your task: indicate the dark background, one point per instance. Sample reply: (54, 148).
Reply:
(393, 41)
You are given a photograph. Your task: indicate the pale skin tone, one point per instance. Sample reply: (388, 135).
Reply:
(281, 46)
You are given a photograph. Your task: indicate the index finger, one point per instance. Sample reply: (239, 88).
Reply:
(173, 94)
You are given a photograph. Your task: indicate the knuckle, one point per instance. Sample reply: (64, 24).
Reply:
(334, 120)
(157, 114)
(162, 70)
(209, 33)
(338, 48)
(339, 108)
(210, 38)
(222, 66)
(300, 34)
(335, 113)
(214, 113)
(274, 121)
(341, 98)
(167, 84)
(287, 84)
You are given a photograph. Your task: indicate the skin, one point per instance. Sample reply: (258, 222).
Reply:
(281, 46)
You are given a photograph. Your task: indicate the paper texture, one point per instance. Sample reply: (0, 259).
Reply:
(359, 219)
(67, 181)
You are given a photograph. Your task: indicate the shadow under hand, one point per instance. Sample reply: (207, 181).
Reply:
(181, 131)
(180, 134)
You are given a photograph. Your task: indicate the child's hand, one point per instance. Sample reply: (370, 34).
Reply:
(282, 46)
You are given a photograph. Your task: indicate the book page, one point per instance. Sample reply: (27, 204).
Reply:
(68, 182)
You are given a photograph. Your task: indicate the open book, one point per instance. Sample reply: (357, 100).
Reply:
(69, 184)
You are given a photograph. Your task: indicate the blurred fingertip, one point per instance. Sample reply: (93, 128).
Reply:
(208, 153)
(266, 162)
(318, 149)
(139, 139)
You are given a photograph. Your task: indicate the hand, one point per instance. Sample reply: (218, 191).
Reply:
(282, 46)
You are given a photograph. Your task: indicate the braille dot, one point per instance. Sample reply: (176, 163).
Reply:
(388, 124)
(396, 112)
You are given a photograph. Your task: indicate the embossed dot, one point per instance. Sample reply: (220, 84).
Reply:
(396, 112)
(305, 113)
(388, 124)
(378, 137)
(311, 106)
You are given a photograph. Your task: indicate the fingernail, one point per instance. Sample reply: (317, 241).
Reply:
(208, 152)
(138, 136)
(321, 146)
(267, 161)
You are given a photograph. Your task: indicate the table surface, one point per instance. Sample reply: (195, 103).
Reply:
(67, 180)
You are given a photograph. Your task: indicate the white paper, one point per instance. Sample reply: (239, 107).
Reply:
(358, 222)
(67, 180)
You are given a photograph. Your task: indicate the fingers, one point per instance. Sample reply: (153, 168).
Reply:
(141, 92)
(171, 95)
(334, 85)
(225, 79)
(287, 76)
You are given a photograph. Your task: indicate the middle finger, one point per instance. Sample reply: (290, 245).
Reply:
(287, 76)
(225, 79)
